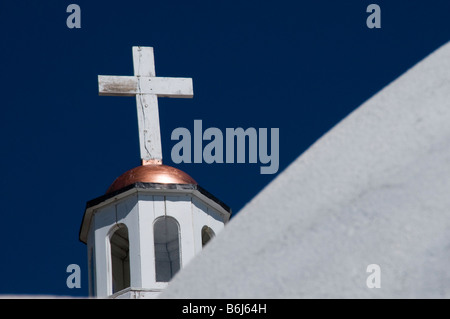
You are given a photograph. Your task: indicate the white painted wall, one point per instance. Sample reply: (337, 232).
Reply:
(373, 190)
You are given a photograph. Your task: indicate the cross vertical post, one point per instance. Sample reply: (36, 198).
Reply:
(147, 108)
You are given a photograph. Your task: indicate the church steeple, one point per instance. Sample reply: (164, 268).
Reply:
(154, 218)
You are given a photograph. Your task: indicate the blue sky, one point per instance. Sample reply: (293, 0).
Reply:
(300, 66)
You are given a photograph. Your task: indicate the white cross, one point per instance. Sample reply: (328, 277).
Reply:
(147, 88)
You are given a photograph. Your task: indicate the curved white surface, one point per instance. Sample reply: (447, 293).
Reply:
(374, 190)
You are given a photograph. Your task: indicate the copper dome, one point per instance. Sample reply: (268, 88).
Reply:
(161, 174)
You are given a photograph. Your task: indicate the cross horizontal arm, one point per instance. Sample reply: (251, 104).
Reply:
(132, 85)
(117, 85)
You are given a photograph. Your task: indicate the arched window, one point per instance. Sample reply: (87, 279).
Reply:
(167, 248)
(207, 235)
(120, 259)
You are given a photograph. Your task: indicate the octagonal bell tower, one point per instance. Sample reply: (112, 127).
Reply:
(154, 218)
(150, 223)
